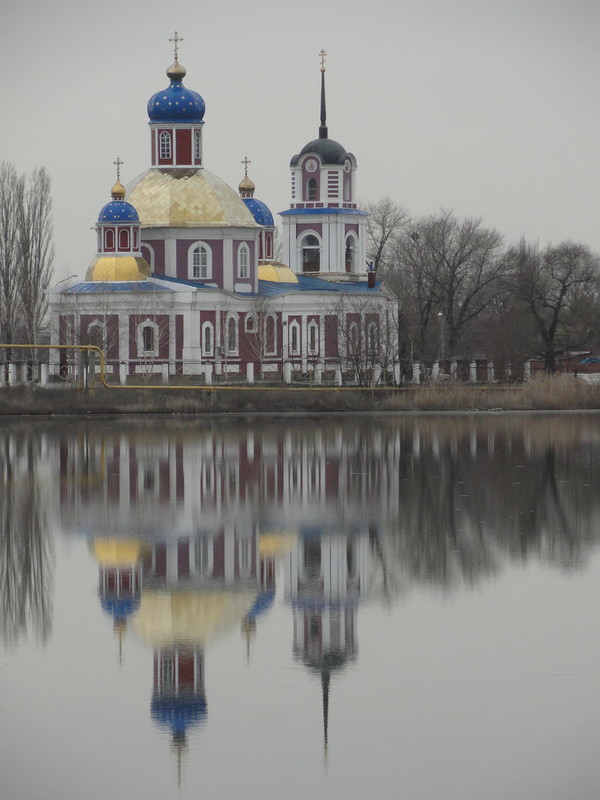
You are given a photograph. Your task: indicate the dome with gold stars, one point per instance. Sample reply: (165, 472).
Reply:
(187, 199)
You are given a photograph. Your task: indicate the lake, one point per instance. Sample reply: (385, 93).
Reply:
(324, 607)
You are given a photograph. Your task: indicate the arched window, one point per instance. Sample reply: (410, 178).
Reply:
(232, 337)
(350, 254)
(372, 341)
(243, 260)
(353, 340)
(165, 144)
(310, 253)
(313, 338)
(250, 323)
(197, 146)
(109, 239)
(269, 246)
(147, 338)
(311, 189)
(207, 339)
(123, 239)
(270, 335)
(200, 261)
(294, 339)
(96, 334)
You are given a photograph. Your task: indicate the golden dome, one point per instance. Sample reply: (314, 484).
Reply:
(117, 552)
(176, 72)
(118, 268)
(195, 618)
(186, 199)
(118, 190)
(276, 272)
(246, 184)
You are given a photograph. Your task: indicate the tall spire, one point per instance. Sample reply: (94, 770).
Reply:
(323, 126)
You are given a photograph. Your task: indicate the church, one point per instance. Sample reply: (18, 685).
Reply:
(189, 277)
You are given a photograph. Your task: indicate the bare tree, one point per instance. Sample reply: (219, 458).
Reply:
(260, 335)
(449, 267)
(558, 288)
(36, 251)
(11, 199)
(386, 221)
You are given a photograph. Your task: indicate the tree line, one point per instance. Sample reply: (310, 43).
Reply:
(463, 291)
(26, 253)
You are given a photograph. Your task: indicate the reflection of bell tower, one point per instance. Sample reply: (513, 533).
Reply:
(178, 698)
(326, 577)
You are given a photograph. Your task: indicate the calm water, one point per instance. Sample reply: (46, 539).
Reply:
(369, 607)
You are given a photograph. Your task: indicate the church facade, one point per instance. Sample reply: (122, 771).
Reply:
(185, 279)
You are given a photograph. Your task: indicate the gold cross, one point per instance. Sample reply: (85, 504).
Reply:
(176, 39)
(245, 162)
(118, 163)
(322, 54)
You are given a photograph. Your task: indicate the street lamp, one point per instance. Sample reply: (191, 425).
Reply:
(442, 347)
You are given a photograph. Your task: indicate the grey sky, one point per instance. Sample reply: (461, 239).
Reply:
(485, 107)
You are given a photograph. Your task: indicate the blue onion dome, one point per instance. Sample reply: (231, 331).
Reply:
(328, 150)
(178, 713)
(260, 211)
(118, 210)
(176, 103)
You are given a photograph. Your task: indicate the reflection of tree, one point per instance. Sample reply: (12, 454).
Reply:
(25, 551)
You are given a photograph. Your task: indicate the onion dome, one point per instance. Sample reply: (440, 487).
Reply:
(187, 199)
(246, 185)
(276, 272)
(118, 211)
(260, 211)
(118, 268)
(176, 103)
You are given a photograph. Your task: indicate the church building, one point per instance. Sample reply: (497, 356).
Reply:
(185, 281)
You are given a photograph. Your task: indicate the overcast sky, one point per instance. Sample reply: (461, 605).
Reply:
(486, 107)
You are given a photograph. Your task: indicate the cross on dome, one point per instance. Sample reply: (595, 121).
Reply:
(245, 162)
(118, 163)
(176, 39)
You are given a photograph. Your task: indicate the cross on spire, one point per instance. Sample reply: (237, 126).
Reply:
(245, 162)
(176, 39)
(118, 164)
(322, 55)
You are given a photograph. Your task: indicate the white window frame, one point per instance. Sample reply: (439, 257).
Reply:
(102, 327)
(147, 323)
(200, 246)
(273, 349)
(164, 145)
(313, 330)
(251, 323)
(295, 332)
(300, 248)
(243, 261)
(208, 351)
(232, 351)
(353, 242)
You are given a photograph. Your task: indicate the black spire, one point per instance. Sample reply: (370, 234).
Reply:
(323, 126)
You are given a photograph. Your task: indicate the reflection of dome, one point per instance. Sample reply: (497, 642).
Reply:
(117, 552)
(271, 545)
(179, 713)
(329, 151)
(276, 273)
(118, 268)
(187, 199)
(262, 604)
(194, 618)
(176, 103)
(260, 211)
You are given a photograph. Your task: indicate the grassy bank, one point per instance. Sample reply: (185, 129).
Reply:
(545, 393)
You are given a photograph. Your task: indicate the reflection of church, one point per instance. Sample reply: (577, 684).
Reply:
(185, 278)
(215, 573)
